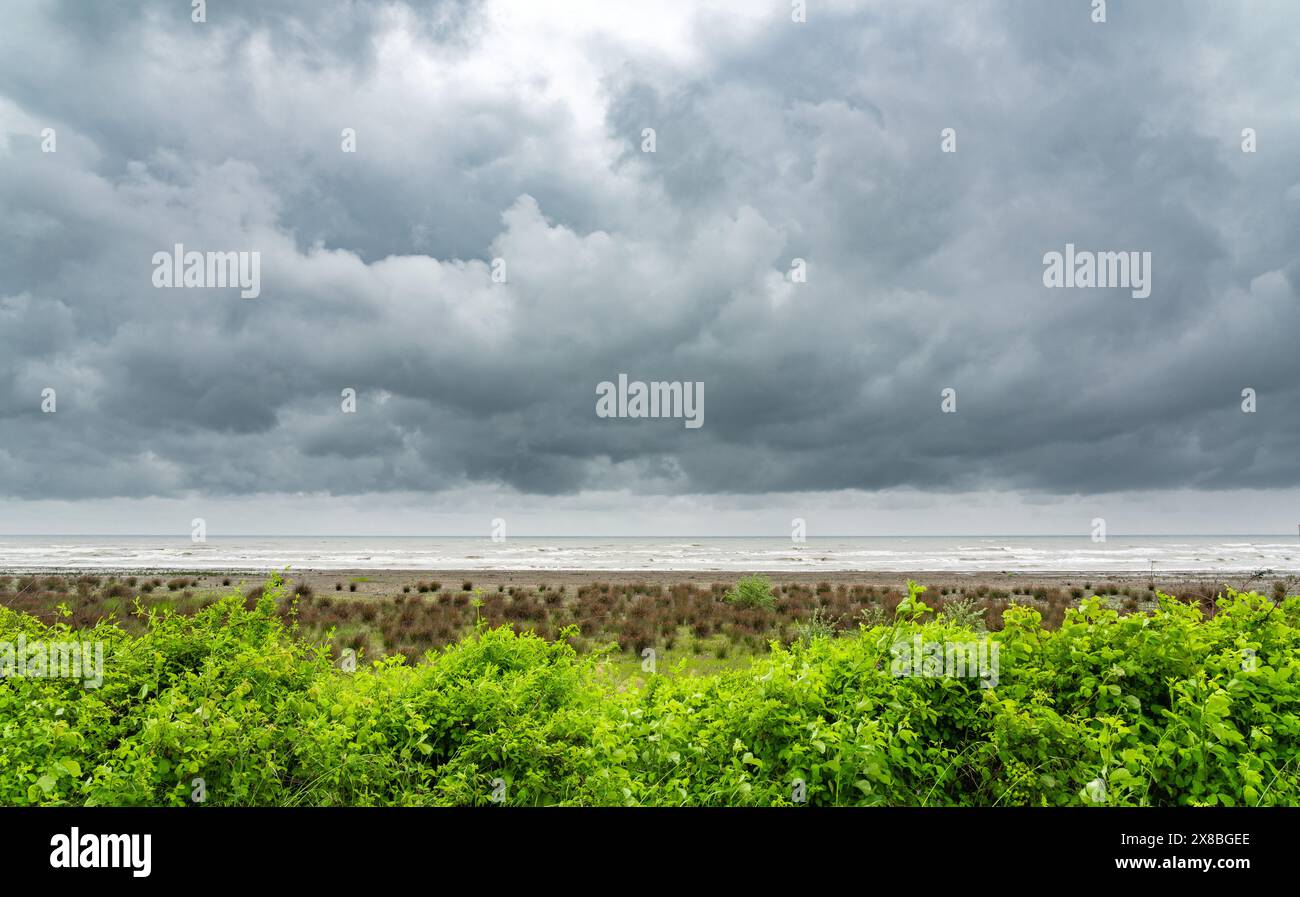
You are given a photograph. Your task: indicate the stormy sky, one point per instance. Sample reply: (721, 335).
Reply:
(515, 131)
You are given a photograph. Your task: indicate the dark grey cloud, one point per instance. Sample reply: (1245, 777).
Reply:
(491, 131)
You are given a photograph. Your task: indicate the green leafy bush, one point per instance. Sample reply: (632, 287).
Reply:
(1136, 710)
(964, 612)
(753, 591)
(818, 625)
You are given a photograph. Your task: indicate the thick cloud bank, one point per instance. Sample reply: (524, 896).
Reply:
(486, 131)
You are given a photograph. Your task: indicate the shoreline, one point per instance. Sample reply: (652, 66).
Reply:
(371, 579)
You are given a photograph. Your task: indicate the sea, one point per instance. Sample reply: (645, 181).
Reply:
(957, 554)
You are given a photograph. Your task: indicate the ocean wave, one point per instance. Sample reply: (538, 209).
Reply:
(957, 554)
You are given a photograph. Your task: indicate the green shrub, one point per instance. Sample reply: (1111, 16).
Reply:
(965, 612)
(1166, 708)
(753, 591)
(818, 625)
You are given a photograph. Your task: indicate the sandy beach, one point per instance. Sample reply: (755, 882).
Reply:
(383, 579)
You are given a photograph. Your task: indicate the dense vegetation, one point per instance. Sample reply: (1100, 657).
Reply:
(1169, 707)
(725, 625)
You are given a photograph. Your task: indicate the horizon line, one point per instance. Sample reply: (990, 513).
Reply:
(183, 535)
